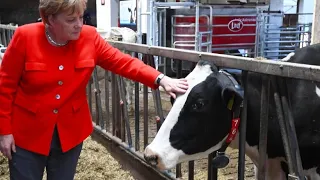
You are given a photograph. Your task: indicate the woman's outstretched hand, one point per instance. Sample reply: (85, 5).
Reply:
(172, 86)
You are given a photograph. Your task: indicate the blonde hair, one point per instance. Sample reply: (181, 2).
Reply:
(52, 7)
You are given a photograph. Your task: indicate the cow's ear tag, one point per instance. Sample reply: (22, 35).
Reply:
(230, 103)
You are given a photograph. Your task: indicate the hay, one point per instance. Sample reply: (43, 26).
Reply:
(95, 163)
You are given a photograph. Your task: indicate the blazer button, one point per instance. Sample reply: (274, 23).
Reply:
(57, 96)
(60, 83)
(61, 67)
(55, 111)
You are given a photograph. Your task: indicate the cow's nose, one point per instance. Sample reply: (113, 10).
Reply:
(151, 157)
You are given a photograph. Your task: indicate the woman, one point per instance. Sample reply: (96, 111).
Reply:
(44, 115)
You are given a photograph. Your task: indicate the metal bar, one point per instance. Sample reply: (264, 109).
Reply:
(89, 92)
(270, 42)
(145, 109)
(232, 15)
(118, 117)
(191, 170)
(243, 129)
(98, 98)
(156, 99)
(285, 51)
(136, 116)
(189, 25)
(196, 34)
(124, 109)
(178, 171)
(223, 25)
(145, 116)
(292, 137)
(264, 108)
(212, 172)
(128, 157)
(281, 121)
(288, 32)
(114, 103)
(165, 40)
(107, 102)
(4, 39)
(278, 68)
(234, 35)
(9, 27)
(205, 32)
(170, 4)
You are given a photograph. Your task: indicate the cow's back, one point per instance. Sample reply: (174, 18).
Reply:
(304, 99)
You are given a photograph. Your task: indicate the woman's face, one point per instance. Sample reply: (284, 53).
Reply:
(66, 25)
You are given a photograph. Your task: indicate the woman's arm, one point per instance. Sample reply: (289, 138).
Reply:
(123, 64)
(10, 73)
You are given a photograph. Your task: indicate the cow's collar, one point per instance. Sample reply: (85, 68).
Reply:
(221, 160)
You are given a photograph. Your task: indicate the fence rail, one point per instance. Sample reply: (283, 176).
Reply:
(278, 68)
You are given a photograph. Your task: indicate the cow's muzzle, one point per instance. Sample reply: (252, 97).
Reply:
(153, 158)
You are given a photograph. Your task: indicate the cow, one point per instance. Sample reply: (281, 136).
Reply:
(133, 15)
(200, 120)
(126, 35)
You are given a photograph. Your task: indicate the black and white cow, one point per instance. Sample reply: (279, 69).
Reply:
(200, 120)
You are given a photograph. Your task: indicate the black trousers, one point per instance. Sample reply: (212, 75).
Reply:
(26, 165)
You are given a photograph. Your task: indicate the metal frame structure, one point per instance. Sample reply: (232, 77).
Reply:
(271, 41)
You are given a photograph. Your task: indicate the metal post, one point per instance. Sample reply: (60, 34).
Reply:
(316, 24)
(243, 129)
(196, 45)
(264, 109)
(150, 26)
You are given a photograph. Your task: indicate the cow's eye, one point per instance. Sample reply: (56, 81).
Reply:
(198, 105)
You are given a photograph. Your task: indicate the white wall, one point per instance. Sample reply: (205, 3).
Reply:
(306, 6)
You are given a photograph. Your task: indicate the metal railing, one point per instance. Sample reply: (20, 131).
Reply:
(277, 41)
(6, 33)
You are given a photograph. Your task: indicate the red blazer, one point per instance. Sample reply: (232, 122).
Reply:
(42, 86)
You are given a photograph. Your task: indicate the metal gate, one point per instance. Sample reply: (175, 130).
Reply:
(277, 41)
(220, 30)
(248, 32)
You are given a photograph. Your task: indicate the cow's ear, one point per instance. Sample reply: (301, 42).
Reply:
(232, 96)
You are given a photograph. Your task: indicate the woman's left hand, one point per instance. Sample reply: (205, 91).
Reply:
(172, 86)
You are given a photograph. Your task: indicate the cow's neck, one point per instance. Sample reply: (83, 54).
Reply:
(251, 151)
(235, 108)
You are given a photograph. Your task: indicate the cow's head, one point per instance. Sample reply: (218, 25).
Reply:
(199, 121)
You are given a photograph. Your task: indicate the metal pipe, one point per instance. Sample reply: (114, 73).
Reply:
(243, 128)
(124, 108)
(210, 26)
(136, 116)
(284, 69)
(171, 4)
(114, 102)
(160, 30)
(196, 34)
(289, 123)
(264, 110)
(9, 27)
(165, 40)
(191, 170)
(98, 98)
(150, 26)
(107, 102)
(281, 121)
(212, 171)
